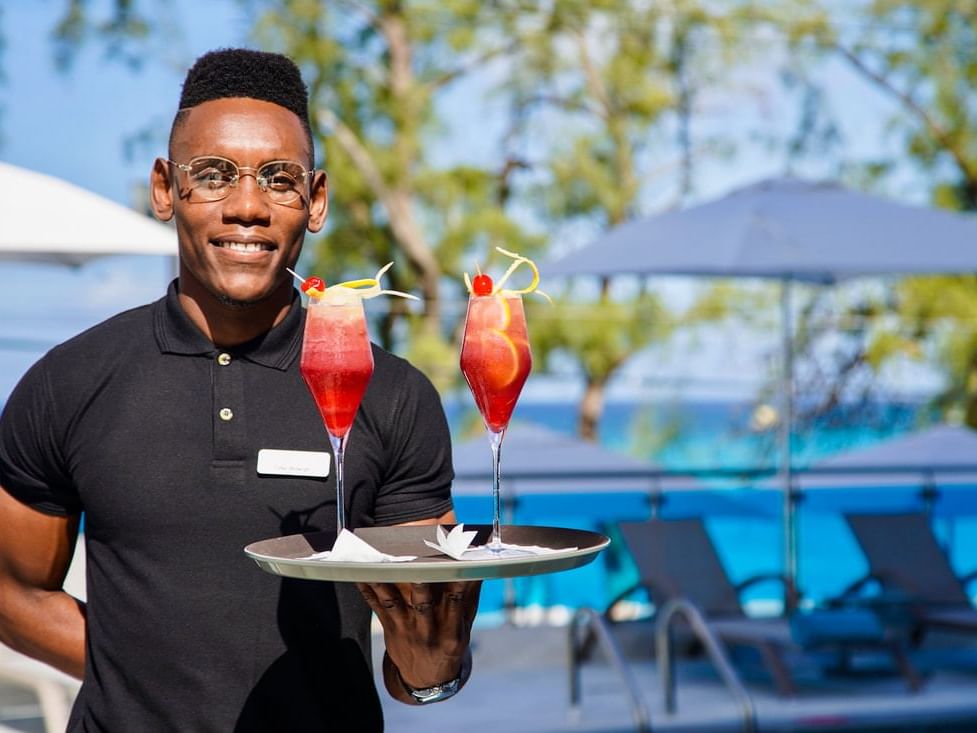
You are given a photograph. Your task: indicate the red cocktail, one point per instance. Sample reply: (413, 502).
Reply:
(337, 363)
(496, 360)
(495, 356)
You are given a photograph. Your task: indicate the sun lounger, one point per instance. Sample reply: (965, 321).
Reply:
(905, 558)
(55, 691)
(677, 559)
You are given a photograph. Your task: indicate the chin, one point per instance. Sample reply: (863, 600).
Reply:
(246, 295)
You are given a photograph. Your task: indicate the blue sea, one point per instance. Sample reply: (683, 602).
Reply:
(747, 530)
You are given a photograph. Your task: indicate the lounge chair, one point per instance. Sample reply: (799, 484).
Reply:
(55, 691)
(904, 557)
(677, 559)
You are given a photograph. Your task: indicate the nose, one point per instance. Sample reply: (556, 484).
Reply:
(246, 201)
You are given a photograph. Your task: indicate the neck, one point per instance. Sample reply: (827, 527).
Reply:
(228, 325)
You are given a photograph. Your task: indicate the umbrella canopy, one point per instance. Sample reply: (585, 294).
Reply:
(934, 469)
(942, 453)
(785, 228)
(47, 219)
(790, 230)
(540, 465)
(538, 460)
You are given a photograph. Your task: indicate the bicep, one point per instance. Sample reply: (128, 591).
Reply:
(35, 548)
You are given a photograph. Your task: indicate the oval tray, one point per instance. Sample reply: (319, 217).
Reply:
(282, 555)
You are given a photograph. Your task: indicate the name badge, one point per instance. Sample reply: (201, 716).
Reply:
(309, 463)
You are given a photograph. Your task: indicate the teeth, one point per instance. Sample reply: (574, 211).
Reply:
(242, 246)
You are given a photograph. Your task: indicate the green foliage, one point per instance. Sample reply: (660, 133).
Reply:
(923, 57)
(120, 32)
(601, 335)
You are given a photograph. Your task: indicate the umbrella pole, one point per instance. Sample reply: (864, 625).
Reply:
(786, 448)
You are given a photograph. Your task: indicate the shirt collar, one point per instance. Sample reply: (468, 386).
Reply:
(277, 349)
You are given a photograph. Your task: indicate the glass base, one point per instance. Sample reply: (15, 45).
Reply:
(496, 552)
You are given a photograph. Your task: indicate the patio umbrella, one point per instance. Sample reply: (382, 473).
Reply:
(789, 230)
(929, 462)
(47, 219)
(549, 468)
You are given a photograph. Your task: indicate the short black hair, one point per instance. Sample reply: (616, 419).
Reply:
(243, 72)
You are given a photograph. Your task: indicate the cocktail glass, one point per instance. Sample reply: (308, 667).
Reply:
(337, 363)
(496, 360)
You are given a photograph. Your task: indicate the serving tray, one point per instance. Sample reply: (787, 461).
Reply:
(284, 555)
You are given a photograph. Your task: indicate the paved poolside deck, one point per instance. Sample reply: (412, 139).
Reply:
(520, 685)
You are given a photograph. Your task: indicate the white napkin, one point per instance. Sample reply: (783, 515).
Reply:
(456, 544)
(350, 548)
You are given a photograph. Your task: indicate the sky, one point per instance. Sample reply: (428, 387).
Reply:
(81, 125)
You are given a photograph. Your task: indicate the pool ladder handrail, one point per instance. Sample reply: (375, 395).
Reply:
(597, 626)
(714, 648)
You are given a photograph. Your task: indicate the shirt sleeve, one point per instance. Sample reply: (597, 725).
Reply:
(32, 466)
(417, 483)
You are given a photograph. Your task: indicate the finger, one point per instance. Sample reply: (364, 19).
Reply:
(459, 605)
(473, 594)
(421, 596)
(383, 598)
(422, 605)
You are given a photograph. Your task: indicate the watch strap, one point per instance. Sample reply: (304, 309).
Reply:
(435, 693)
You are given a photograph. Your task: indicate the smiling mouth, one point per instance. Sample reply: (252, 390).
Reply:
(244, 246)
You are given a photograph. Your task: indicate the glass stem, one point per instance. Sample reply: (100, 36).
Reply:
(339, 449)
(495, 440)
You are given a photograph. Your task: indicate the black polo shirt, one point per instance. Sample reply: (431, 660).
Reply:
(153, 433)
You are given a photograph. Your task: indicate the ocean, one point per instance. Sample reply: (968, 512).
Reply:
(703, 435)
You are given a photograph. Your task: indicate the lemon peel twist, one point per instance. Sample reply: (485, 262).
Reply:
(363, 288)
(518, 261)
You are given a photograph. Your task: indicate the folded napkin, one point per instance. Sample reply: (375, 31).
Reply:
(350, 548)
(456, 544)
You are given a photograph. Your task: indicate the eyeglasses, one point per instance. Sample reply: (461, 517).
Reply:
(211, 178)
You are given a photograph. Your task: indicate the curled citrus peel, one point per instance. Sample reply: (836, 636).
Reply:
(363, 288)
(483, 282)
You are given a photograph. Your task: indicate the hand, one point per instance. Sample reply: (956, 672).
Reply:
(426, 627)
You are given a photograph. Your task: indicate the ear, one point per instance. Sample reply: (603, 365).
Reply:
(318, 201)
(160, 191)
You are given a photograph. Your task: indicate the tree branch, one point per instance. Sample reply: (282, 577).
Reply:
(449, 76)
(357, 152)
(934, 128)
(594, 83)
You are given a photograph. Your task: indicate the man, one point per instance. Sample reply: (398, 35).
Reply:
(151, 423)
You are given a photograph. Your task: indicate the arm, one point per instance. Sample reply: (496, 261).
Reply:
(426, 629)
(37, 617)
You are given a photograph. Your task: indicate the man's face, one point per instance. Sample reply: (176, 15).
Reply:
(236, 249)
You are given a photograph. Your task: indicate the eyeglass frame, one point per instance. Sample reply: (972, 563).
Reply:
(307, 174)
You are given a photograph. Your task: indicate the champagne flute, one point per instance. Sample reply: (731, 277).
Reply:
(496, 360)
(336, 364)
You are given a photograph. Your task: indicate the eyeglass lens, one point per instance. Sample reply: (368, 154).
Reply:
(212, 179)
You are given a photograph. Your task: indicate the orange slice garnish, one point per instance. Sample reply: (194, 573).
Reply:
(491, 312)
(500, 359)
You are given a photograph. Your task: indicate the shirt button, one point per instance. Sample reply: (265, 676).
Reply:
(225, 413)
(224, 359)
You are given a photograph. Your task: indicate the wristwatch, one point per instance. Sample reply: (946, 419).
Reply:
(436, 693)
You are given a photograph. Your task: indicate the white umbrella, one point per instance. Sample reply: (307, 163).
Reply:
(47, 219)
(788, 230)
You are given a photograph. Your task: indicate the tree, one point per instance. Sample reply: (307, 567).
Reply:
(376, 71)
(923, 57)
(600, 88)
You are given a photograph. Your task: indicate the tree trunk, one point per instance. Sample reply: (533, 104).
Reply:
(591, 409)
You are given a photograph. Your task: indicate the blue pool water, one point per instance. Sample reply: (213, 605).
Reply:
(746, 527)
